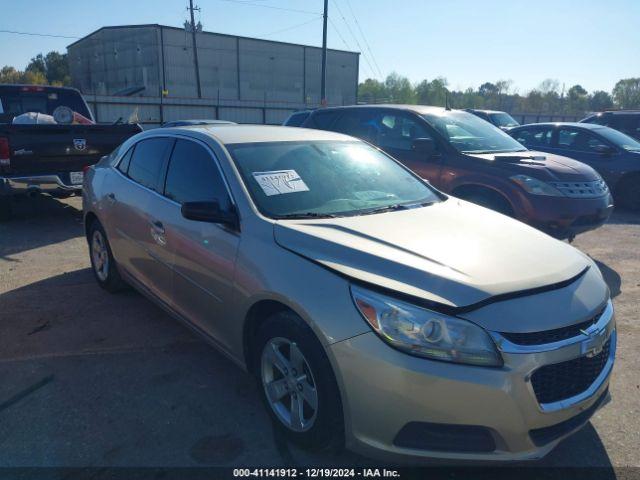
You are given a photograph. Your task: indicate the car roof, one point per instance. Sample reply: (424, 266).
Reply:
(230, 134)
(419, 109)
(585, 126)
(485, 111)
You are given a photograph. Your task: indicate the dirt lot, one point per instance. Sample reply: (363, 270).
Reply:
(92, 379)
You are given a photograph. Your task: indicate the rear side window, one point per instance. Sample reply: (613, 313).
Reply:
(534, 137)
(193, 176)
(147, 161)
(322, 120)
(123, 166)
(297, 119)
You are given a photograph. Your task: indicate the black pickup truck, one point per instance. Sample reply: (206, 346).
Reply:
(49, 158)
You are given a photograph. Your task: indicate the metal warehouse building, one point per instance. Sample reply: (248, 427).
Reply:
(150, 59)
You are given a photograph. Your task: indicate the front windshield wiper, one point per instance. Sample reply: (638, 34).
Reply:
(394, 207)
(293, 216)
(494, 151)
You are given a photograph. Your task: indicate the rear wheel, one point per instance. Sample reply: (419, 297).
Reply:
(5, 208)
(104, 266)
(628, 193)
(297, 383)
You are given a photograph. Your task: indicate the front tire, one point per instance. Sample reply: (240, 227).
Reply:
(491, 200)
(297, 384)
(105, 269)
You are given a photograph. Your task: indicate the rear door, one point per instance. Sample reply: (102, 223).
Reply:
(203, 253)
(134, 229)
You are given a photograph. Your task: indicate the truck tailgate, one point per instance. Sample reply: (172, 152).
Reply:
(61, 148)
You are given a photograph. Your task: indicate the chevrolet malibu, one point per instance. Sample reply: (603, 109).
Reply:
(374, 311)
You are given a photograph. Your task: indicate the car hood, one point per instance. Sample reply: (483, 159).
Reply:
(453, 252)
(541, 165)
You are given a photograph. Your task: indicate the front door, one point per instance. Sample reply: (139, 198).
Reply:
(203, 253)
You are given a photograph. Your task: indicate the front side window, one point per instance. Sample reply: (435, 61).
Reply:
(534, 137)
(470, 134)
(326, 178)
(193, 176)
(147, 161)
(620, 139)
(579, 141)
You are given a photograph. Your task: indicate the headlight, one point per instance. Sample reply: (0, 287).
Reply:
(535, 186)
(425, 333)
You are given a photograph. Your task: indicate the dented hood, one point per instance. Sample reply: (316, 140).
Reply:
(454, 253)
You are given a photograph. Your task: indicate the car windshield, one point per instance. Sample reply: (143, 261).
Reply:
(622, 140)
(503, 119)
(326, 179)
(470, 134)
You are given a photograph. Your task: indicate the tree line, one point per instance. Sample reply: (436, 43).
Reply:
(548, 98)
(49, 69)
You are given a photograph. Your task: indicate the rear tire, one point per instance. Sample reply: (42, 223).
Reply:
(628, 193)
(5, 208)
(295, 375)
(103, 265)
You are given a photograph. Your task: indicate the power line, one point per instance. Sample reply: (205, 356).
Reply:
(364, 38)
(291, 27)
(273, 7)
(335, 28)
(366, 58)
(37, 34)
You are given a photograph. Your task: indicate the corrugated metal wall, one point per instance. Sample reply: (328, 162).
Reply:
(151, 112)
(231, 68)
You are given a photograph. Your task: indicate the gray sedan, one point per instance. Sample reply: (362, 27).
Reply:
(374, 311)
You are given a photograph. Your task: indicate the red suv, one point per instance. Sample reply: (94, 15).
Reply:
(470, 158)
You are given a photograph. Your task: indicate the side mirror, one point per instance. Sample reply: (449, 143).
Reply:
(425, 146)
(208, 212)
(605, 149)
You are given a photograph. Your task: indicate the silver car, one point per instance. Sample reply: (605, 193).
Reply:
(374, 311)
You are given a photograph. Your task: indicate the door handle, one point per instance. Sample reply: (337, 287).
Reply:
(158, 227)
(111, 197)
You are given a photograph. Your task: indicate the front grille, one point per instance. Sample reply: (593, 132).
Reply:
(560, 381)
(550, 336)
(593, 189)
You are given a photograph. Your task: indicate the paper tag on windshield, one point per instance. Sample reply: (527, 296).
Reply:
(1, 109)
(280, 182)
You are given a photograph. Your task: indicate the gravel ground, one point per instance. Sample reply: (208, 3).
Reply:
(92, 379)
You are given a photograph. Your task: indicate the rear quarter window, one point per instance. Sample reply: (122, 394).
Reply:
(322, 120)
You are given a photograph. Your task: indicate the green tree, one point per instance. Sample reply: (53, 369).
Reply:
(54, 66)
(11, 75)
(626, 93)
(578, 100)
(600, 100)
(399, 89)
(372, 91)
(433, 92)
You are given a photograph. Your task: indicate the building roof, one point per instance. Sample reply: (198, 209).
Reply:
(157, 25)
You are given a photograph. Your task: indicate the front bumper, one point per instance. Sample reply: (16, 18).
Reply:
(53, 184)
(567, 217)
(385, 391)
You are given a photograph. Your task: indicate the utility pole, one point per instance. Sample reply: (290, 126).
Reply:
(191, 8)
(323, 81)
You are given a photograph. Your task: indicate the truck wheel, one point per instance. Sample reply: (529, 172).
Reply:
(628, 193)
(5, 208)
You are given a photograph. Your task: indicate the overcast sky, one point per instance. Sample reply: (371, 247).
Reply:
(590, 42)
